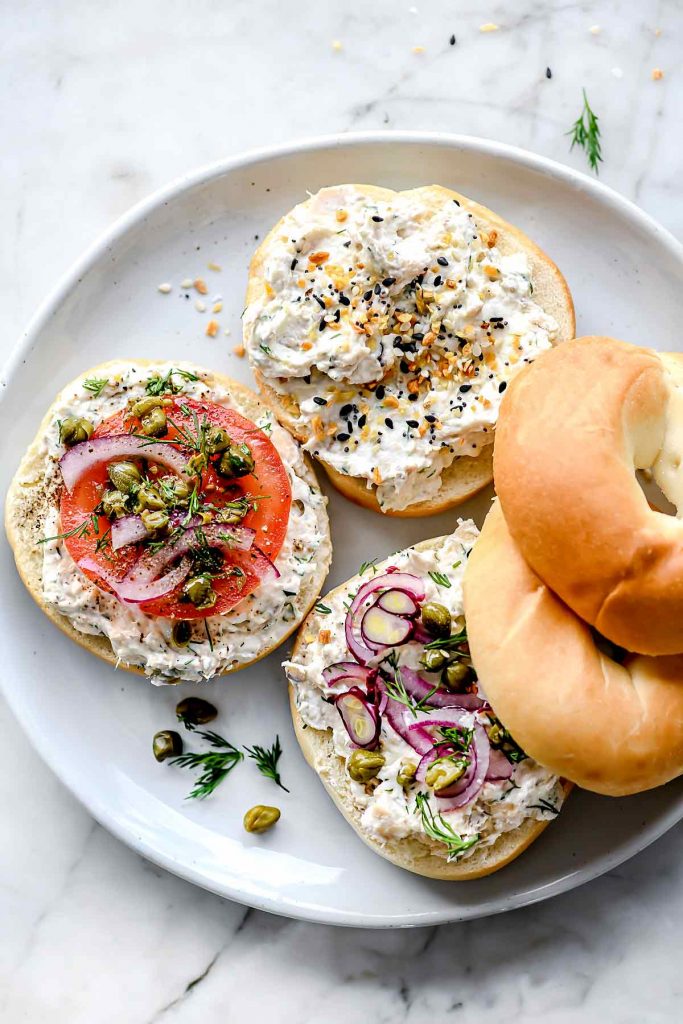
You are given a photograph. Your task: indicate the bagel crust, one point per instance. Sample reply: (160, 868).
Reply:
(573, 429)
(612, 728)
(385, 820)
(389, 452)
(122, 635)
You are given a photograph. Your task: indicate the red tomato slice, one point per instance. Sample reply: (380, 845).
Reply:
(268, 487)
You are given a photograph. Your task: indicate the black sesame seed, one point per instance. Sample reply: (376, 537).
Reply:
(377, 288)
(345, 410)
(380, 392)
(430, 419)
(465, 387)
(319, 401)
(389, 423)
(412, 398)
(437, 280)
(319, 301)
(368, 296)
(404, 366)
(344, 301)
(412, 423)
(307, 378)
(452, 40)
(293, 263)
(343, 437)
(378, 220)
(548, 73)
(456, 202)
(418, 336)
(442, 261)
(362, 420)
(322, 325)
(388, 281)
(502, 386)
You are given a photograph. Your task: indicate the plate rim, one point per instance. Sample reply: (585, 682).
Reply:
(70, 279)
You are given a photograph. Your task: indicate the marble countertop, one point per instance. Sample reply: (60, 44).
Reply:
(104, 103)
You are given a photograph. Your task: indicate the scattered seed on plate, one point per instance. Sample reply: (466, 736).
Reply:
(164, 288)
(200, 306)
(186, 282)
(212, 328)
(489, 27)
(217, 307)
(657, 73)
(238, 349)
(336, 45)
(200, 286)
(216, 267)
(418, 49)
(595, 30)
(227, 331)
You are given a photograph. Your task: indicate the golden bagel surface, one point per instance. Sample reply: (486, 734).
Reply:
(573, 429)
(614, 728)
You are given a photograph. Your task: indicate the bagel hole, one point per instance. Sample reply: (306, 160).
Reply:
(656, 497)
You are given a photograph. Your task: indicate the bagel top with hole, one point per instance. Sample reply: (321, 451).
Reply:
(573, 430)
(611, 724)
(99, 527)
(385, 326)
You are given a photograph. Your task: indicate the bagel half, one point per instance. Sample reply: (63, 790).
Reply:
(30, 500)
(574, 427)
(419, 855)
(465, 475)
(614, 728)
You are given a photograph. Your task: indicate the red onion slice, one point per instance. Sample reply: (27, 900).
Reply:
(136, 593)
(439, 750)
(82, 457)
(413, 585)
(227, 538)
(380, 629)
(361, 720)
(127, 530)
(480, 758)
(398, 602)
(499, 766)
(419, 688)
(345, 669)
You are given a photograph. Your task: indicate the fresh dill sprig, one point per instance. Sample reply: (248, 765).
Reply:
(460, 738)
(545, 805)
(447, 643)
(95, 385)
(267, 761)
(585, 132)
(166, 385)
(368, 565)
(265, 348)
(440, 578)
(82, 530)
(396, 689)
(214, 766)
(322, 609)
(436, 827)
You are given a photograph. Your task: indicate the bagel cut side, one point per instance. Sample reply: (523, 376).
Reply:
(29, 502)
(466, 475)
(611, 726)
(573, 429)
(418, 855)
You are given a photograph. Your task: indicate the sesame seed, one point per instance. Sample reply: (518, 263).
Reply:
(389, 422)
(362, 420)
(345, 411)
(380, 392)
(442, 261)
(412, 423)
(388, 281)
(378, 220)
(343, 437)
(452, 40)
(319, 401)
(502, 386)
(164, 288)
(548, 73)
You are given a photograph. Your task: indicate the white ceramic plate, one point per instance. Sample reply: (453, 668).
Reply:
(94, 725)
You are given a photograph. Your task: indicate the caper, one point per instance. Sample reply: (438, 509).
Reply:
(113, 504)
(260, 818)
(181, 489)
(436, 619)
(156, 522)
(166, 744)
(199, 591)
(457, 675)
(234, 511)
(217, 440)
(195, 711)
(406, 773)
(443, 772)
(433, 661)
(148, 497)
(144, 406)
(125, 476)
(364, 765)
(154, 424)
(496, 734)
(196, 464)
(73, 430)
(236, 460)
(181, 634)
